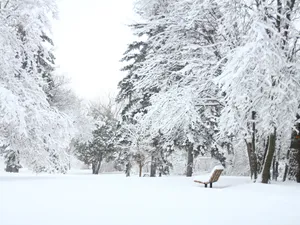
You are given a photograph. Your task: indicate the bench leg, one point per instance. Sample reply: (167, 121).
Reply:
(210, 185)
(205, 185)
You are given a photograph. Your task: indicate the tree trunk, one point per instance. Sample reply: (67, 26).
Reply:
(252, 151)
(252, 161)
(190, 162)
(294, 165)
(286, 168)
(153, 167)
(94, 167)
(297, 139)
(298, 169)
(275, 169)
(128, 169)
(264, 156)
(97, 165)
(140, 169)
(294, 162)
(249, 147)
(269, 158)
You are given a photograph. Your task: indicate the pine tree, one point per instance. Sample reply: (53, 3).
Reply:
(179, 66)
(102, 145)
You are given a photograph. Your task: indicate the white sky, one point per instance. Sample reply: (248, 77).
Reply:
(90, 38)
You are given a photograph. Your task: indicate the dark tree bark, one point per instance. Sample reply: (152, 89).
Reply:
(128, 169)
(153, 167)
(252, 161)
(275, 172)
(93, 167)
(252, 151)
(190, 160)
(140, 160)
(96, 165)
(263, 158)
(293, 171)
(269, 158)
(286, 168)
(298, 169)
(140, 169)
(294, 165)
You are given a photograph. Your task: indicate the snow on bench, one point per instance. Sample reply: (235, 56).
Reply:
(212, 178)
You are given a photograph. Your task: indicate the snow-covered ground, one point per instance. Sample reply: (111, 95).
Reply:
(113, 199)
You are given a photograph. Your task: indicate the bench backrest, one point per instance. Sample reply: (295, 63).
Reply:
(215, 176)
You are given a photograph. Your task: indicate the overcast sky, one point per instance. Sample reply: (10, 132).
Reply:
(90, 38)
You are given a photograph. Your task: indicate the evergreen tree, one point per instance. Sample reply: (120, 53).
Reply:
(179, 66)
(102, 145)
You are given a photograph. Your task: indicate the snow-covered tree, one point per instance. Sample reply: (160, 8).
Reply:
(176, 72)
(102, 145)
(32, 131)
(218, 78)
(261, 76)
(132, 145)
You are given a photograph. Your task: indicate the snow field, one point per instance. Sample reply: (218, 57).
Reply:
(117, 200)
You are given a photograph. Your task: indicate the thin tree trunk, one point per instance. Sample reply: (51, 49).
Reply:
(97, 165)
(128, 168)
(249, 146)
(140, 169)
(275, 169)
(286, 168)
(298, 168)
(269, 157)
(252, 151)
(190, 162)
(94, 167)
(264, 156)
(252, 161)
(255, 166)
(153, 167)
(294, 156)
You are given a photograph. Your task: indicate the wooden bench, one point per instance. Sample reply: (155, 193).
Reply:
(213, 178)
